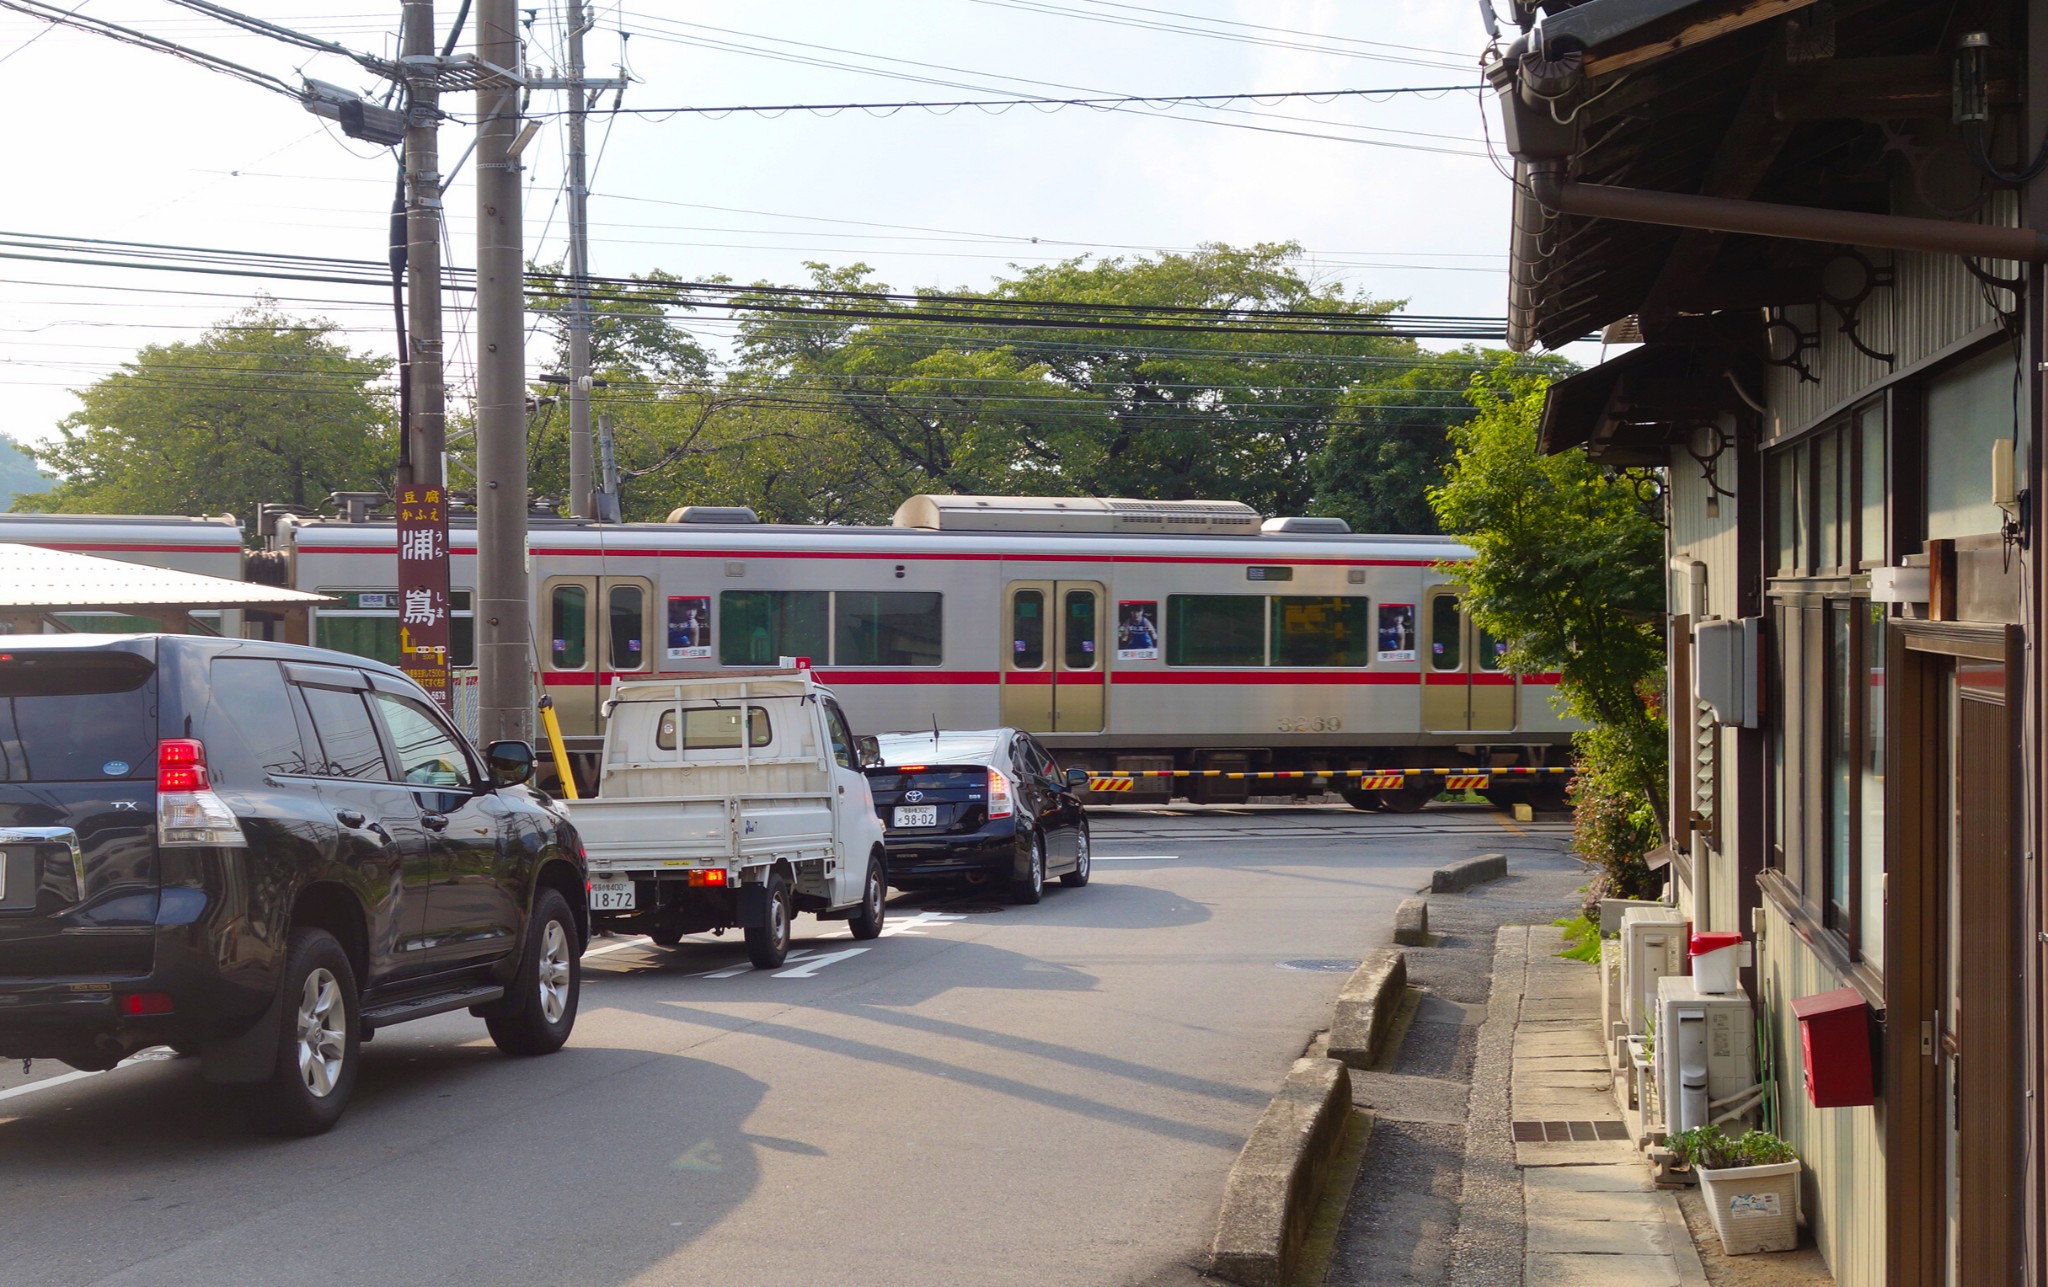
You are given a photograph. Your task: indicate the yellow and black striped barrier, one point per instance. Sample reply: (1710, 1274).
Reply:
(1368, 779)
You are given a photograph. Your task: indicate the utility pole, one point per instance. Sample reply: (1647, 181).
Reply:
(580, 499)
(503, 647)
(424, 606)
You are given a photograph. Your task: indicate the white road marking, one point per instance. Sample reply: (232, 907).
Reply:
(816, 963)
(635, 941)
(1134, 857)
(733, 971)
(909, 925)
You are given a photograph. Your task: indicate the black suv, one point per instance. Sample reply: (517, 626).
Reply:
(260, 854)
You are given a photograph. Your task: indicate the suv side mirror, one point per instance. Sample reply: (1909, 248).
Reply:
(1076, 779)
(868, 750)
(511, 763)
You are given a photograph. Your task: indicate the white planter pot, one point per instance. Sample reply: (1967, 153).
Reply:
(1755, 1208)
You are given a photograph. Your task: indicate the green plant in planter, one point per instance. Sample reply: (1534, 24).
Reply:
(1650, 1035)
(1712, 1148)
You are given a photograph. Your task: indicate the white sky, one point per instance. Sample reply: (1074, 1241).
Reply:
(115, 142)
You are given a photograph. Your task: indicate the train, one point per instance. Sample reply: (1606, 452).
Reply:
(1182, 640)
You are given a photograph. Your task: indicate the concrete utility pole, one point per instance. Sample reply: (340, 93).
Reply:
(503, 642)
(580, 499)
(428, 430)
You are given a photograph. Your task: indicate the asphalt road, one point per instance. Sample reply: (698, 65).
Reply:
(987, 1094)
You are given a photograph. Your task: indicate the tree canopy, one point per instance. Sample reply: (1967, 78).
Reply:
(1567, 565)
(262, 407)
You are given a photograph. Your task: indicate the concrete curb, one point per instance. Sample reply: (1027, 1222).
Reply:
(1411, 923)
(1463, 875)
(1367, 1006)
(1270, 1197)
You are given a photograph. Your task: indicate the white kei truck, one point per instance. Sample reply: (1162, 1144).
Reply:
(732, 800)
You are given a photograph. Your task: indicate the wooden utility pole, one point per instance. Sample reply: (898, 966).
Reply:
(503, 640)
(580, 499)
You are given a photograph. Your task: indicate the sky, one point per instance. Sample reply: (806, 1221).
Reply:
(1393, 196)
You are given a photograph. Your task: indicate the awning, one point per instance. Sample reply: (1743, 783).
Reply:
(39, 580)
(1628, 411)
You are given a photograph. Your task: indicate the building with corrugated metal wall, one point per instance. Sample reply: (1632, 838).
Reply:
(1822, 222)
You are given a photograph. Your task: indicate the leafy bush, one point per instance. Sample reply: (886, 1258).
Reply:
(1582, 939)
(1712, 1148)
(1613, 822)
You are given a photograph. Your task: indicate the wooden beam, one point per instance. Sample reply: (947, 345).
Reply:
(1697, 33)
(1884, 89)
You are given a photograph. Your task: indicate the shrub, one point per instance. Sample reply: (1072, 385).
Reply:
(1712, 1148)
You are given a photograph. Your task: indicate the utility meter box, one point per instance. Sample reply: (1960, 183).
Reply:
(1725, 664)
(1652, 946)
(1705, 1053)
(1834, 1040)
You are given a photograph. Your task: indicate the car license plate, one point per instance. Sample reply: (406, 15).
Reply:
(611, 895)
(917, 815)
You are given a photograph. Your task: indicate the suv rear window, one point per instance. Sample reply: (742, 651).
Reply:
(76, 717)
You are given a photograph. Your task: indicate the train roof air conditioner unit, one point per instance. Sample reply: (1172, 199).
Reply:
(1076, 514)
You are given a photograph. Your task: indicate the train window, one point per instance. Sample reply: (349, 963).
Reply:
(1321, 631)
(759, 627)
(627, 605)
(1492, 651)
(568, 626)
(1078, 638)
(1027, 630)
(1446, 623)
(366, 624)
(885, 628)
(1215, 630)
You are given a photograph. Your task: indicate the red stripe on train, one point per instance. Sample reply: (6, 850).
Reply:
(573, 678)
(895, 557)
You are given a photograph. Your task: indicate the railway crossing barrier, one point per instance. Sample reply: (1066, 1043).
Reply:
(1367, 779)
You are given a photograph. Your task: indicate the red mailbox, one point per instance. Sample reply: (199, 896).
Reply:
(1834, 1035)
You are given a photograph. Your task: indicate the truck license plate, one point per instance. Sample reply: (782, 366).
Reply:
(611, 895)
(918, 815)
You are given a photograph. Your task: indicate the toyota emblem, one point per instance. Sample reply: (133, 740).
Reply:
(913, 796)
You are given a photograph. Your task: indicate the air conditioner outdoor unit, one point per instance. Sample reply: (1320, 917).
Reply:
(1705, 1058)
(1652, 946)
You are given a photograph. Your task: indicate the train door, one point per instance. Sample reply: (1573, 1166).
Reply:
(1464, 686)
(1055, 671)
(593, 629)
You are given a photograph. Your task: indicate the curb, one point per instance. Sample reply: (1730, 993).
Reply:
(1270, 1197)
(1463, 875)
(1411, 923)
(1367, 1006)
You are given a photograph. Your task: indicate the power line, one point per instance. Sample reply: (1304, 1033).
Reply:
(129, 36)
(1003, 105)
(1146, 24)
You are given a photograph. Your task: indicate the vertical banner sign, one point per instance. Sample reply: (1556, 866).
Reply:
(423, 590)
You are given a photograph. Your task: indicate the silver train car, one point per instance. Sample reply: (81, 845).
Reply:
(1129, 635)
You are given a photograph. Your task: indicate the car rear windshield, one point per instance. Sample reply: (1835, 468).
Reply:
(76, 717)
(931, 779)
(923, 748)
(713, 728)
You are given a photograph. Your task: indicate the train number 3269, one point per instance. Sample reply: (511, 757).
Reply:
(1317, 724)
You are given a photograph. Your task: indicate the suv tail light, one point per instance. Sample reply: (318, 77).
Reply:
(998, 794)
(188, 813)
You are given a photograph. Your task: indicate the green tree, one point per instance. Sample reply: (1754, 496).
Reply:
(1567, 566)
(262, 407)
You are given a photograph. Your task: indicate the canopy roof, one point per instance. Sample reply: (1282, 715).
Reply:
(42, 580)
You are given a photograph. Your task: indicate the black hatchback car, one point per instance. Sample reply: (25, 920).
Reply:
(979, 808)
(260, 854)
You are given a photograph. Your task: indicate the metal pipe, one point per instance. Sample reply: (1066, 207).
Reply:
(1799, 223)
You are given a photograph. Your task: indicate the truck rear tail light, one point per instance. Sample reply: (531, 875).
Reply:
(998, 794)
(188, 813)
(141, 1003)
(714, 877)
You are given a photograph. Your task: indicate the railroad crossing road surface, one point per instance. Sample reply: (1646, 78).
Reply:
(989, 1094)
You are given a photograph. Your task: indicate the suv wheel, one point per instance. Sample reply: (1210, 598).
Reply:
(867, 922)
(768, 944)
(1030, 887)
(318, 1045)
(550, 981)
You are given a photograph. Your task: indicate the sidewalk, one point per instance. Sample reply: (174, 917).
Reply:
(1592, 1216)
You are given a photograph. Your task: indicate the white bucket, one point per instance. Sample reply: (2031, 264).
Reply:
(1714, 972)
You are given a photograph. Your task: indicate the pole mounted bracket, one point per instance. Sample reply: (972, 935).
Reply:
(448, 75)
